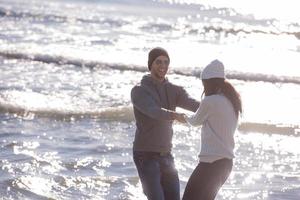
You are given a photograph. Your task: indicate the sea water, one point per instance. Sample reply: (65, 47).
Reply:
(67, 68)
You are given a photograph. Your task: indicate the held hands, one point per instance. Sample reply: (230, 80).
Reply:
(180, 117)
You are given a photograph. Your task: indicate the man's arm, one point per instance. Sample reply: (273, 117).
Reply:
(145, 103)
(187, 102)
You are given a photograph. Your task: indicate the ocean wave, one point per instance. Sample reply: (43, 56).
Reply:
(157, 27)
(60, 60)
(120, 113)
(284, 129)
(25, 185)
(57, 186)
(113, 22)
(125, 113)
(62, 19)
(235, 31)
(204, 29)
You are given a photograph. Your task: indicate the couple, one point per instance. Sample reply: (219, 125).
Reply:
(154, 102)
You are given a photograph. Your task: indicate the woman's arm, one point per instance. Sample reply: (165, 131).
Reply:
(201, 114)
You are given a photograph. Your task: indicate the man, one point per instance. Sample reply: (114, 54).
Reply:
(154, 102)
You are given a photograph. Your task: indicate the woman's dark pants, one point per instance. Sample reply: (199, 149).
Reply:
(207, 179)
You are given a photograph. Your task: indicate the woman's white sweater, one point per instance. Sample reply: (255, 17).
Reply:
(219, 122)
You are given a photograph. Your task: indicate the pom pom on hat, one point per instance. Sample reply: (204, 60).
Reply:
(154, 53)
(215, 69)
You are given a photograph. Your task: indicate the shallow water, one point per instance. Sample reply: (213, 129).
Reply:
(67, 68)
(91, 159)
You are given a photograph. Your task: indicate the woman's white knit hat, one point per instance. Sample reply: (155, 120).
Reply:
(215, 69)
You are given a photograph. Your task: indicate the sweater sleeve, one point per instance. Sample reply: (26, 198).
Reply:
(146, 104)
(201, 114)
(187, 102)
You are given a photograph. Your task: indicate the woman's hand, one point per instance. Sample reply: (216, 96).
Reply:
(180, 117)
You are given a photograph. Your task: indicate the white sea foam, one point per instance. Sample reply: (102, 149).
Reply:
(188, 71)
(125, 113)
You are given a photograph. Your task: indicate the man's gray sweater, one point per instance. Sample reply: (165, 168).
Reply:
(153, 105)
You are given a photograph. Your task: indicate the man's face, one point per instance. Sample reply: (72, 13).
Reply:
(159, 67)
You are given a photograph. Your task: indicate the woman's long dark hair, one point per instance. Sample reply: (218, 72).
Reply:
(216, 85)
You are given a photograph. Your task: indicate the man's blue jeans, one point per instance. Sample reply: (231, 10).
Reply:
(158, 175)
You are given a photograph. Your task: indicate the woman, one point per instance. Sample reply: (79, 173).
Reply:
(218, 114)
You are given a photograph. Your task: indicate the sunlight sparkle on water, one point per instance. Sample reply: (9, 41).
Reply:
(260, 104)
(135, 191)
(38, 185)
(286, 10)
